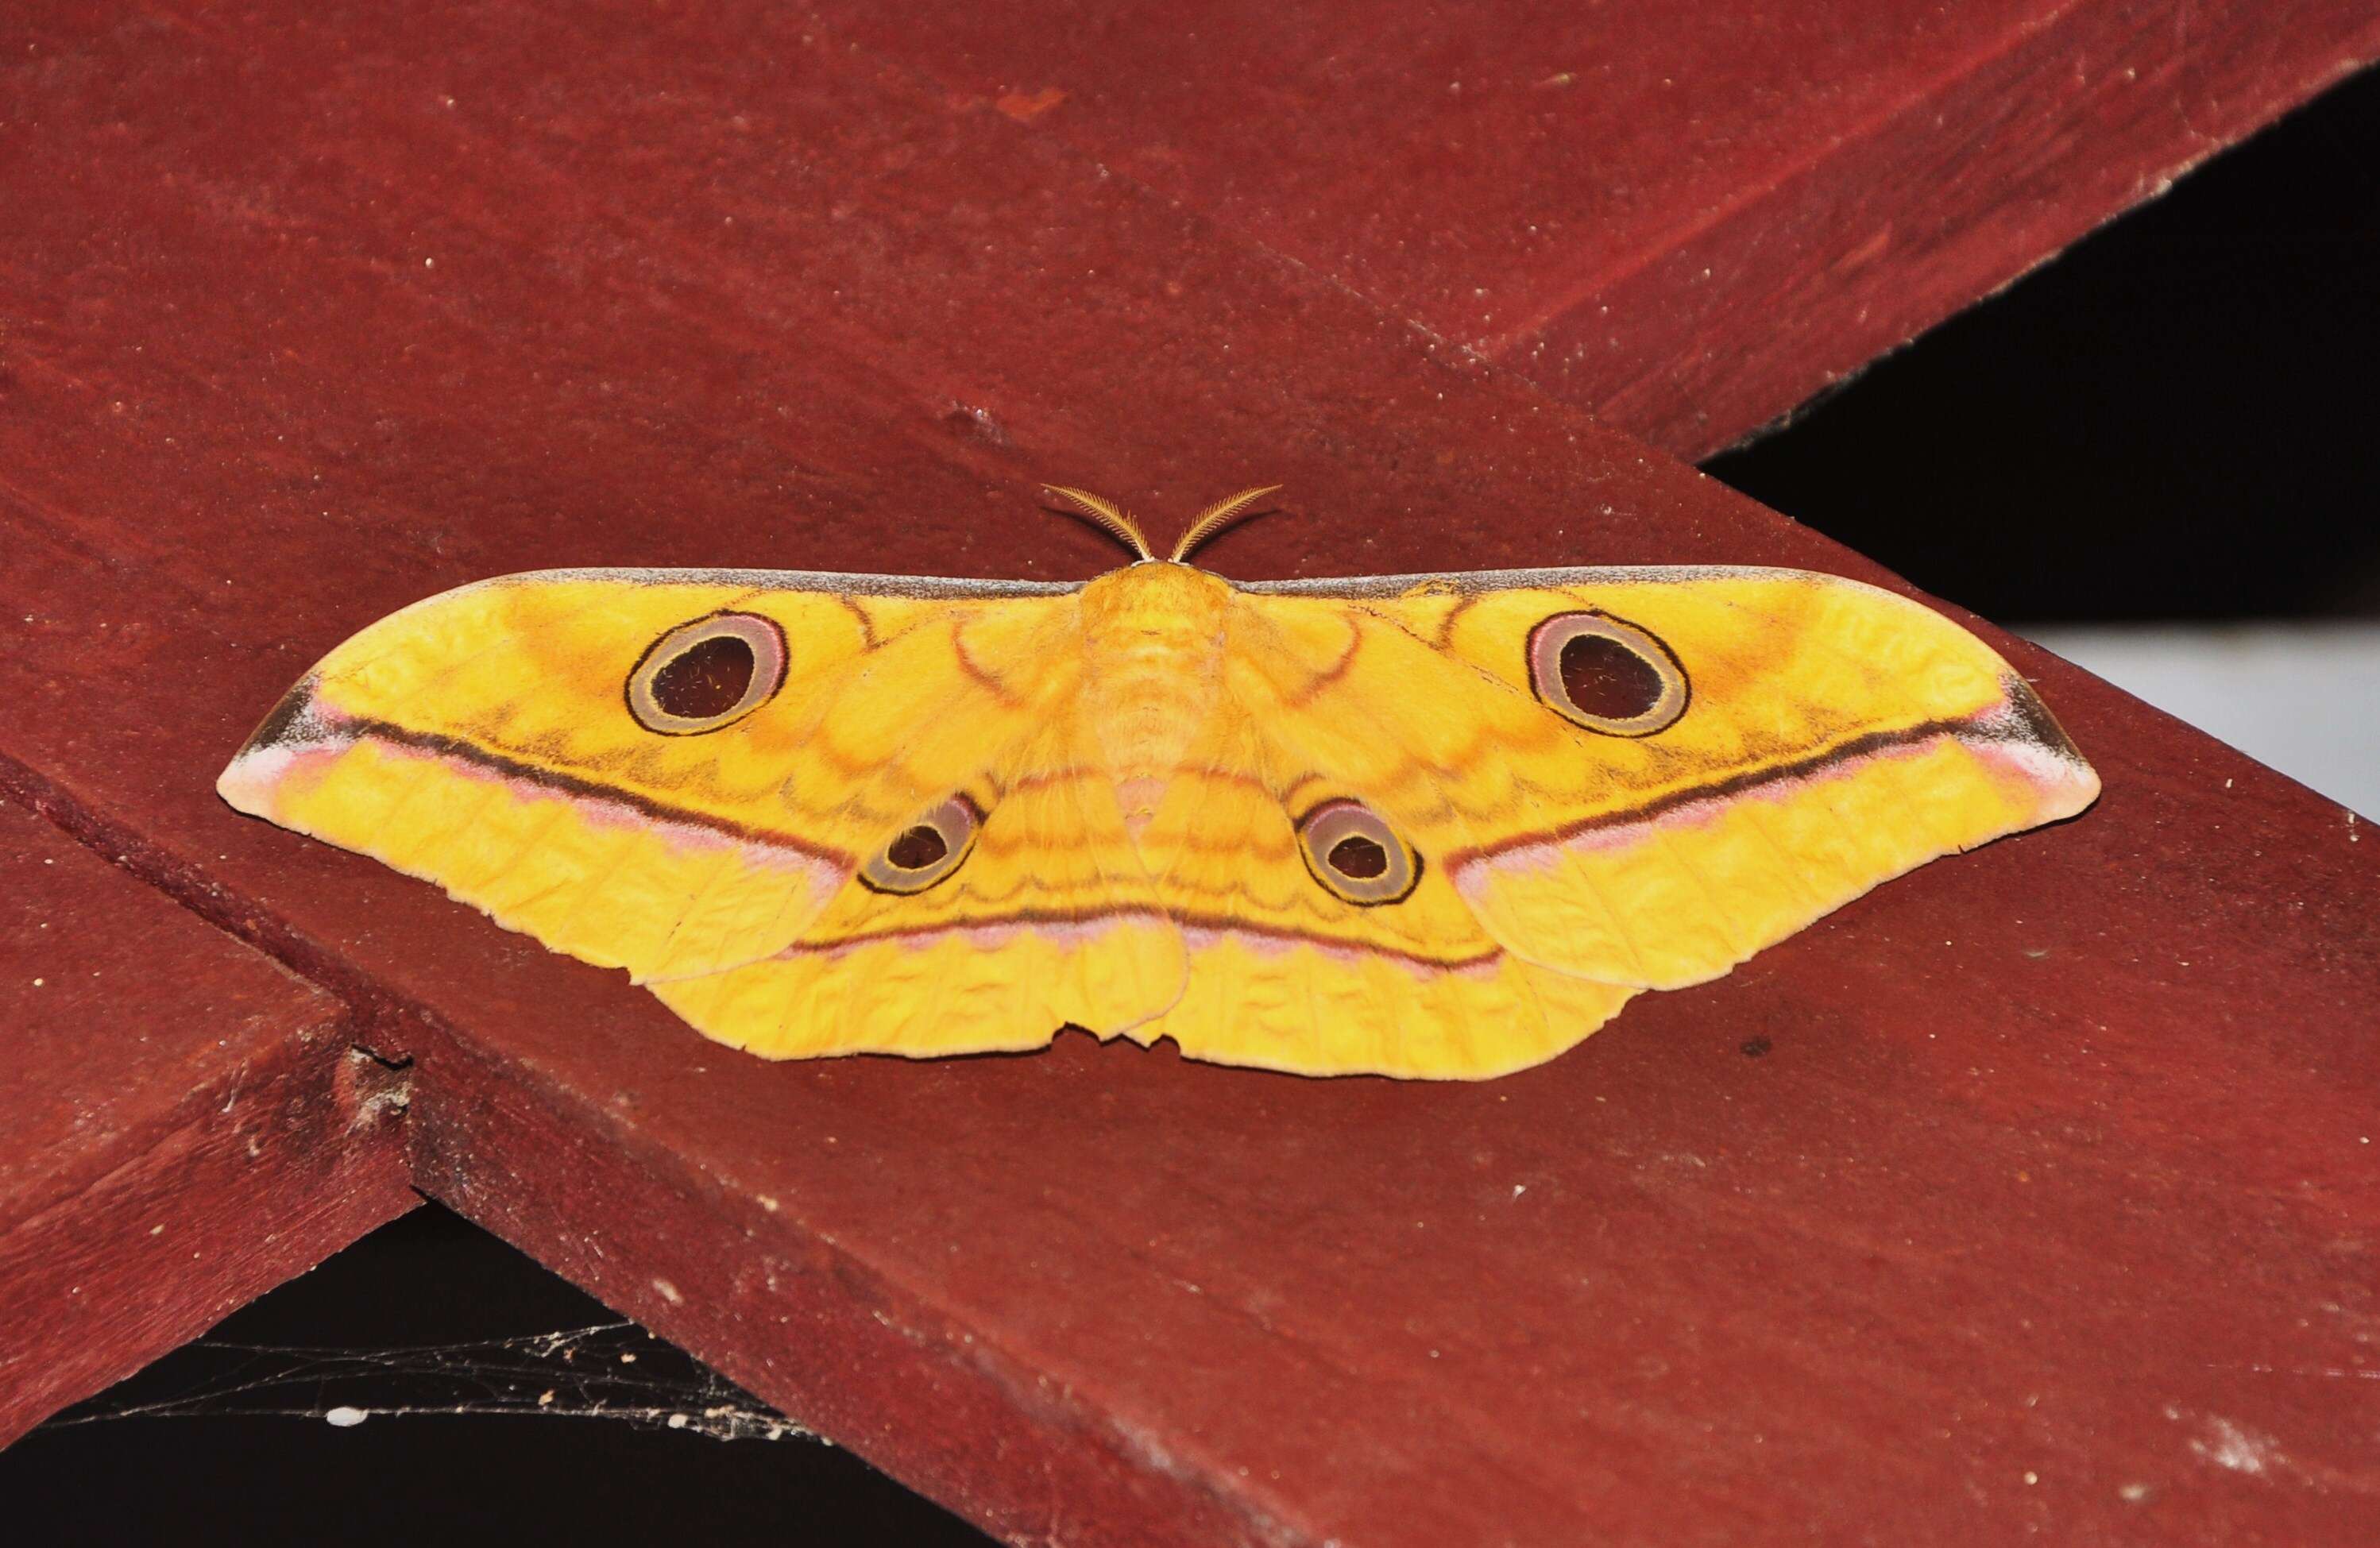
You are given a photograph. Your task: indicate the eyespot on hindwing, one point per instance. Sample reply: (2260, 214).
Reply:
(1352, 851)
(926, 852)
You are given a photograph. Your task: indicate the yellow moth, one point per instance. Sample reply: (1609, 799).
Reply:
(1425, 826)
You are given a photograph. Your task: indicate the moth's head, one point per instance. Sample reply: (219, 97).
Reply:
(1112, 519)
(1156, 599)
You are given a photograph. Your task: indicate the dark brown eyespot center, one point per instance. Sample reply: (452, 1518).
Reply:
(1359, 857)
(708, 678)
(916, 849)
(1605, 678)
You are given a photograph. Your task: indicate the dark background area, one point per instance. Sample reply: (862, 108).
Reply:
(2171, 421)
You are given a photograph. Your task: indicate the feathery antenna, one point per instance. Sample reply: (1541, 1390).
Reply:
(1216, 517)
(1105, 513)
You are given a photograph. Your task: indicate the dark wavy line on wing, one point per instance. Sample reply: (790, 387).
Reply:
(437, 744)
(2019, 719)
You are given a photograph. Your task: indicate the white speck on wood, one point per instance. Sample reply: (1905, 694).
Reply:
(2230, 1446)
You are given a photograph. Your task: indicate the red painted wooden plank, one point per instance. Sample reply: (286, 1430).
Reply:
(1686, 219)
(187, 1124)
(2049, 1201)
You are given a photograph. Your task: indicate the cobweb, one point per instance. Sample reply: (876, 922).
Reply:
(613, 1370)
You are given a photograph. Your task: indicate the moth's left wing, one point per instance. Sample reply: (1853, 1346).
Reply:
(1641, 776)
(668, 771)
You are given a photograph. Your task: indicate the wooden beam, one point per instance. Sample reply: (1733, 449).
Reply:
(1686, 219)
(187, 1124)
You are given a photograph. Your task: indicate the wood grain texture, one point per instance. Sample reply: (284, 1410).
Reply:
(187, 1124)
(1686, 219)
(2046, 1203)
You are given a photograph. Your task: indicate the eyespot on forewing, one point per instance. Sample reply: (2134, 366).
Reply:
(1606, 675)
(707, 676)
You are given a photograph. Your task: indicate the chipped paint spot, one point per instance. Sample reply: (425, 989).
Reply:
(1025, 109)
